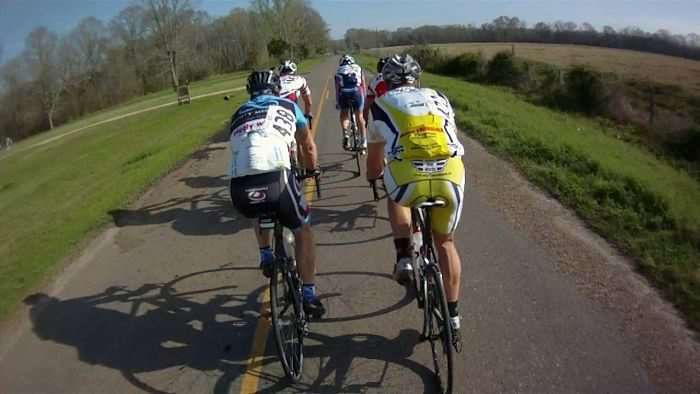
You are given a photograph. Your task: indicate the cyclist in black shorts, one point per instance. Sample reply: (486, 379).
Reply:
(263, 134)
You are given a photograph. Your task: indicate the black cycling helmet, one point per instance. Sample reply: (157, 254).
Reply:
(401, 70)
(263, 82)
(380, 64)
(287, 67)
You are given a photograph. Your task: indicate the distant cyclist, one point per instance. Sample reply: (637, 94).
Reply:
(263, 134)
(414, 129)
(349, 93)
(376, 88)
(294, 86)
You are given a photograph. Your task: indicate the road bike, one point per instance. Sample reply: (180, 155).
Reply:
(430, 292)
(353, 141)
(289, 322)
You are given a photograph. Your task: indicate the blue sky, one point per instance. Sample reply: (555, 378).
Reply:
(18, 17)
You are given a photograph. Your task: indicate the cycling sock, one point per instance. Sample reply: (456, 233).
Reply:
(452, 308)
(403, 247)
(265, 253)
(308, 290)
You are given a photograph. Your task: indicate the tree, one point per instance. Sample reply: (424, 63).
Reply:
(585, 26)
(42, 55)
(165, 19)
(292, 21)
(129, 30)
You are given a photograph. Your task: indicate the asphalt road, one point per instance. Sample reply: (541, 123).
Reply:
(169, 299)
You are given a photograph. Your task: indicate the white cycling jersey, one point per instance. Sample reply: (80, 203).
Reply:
(293, 87)
(348, 77)
(262, 135)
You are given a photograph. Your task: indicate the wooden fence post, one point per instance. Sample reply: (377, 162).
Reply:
(652, 105)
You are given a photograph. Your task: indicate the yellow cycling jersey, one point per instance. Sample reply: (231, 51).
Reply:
(415, 124)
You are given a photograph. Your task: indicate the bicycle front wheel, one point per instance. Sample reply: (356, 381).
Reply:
(287, 321)
(439, 331)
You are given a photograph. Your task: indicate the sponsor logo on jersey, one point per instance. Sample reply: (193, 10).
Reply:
(257, 196)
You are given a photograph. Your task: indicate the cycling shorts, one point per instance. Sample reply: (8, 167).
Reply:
(409, 183)
(275, 194)
(351, 99)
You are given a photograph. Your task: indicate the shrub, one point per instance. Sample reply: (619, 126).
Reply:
(430, 59)
(584, 90)
(467, 65)
(503, 70)
(687, 145)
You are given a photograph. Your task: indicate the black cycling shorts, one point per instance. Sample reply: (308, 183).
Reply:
(275, 194)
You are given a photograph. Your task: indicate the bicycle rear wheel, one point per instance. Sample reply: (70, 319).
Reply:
(287, 320)
(356, 143)
(439, 331)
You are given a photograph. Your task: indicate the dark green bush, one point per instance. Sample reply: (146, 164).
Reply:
(585, 91)
(430, 59)
(504, 70)
(687, 145)
(467, 65)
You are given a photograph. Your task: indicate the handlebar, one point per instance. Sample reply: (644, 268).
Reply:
(313, 173)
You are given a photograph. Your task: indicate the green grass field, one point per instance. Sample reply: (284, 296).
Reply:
(53, 195)
(645, 206)
(209, 85)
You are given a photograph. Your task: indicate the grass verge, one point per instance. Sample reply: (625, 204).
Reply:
(646, 207)
(53, 195)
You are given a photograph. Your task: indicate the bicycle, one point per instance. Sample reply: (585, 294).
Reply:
(354, 140)
(289, 321)
(430, 292)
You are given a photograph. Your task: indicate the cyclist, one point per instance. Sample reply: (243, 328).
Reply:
(294, 86)
(263, 134)
(415, 130)
(349, 93)
(375, 89)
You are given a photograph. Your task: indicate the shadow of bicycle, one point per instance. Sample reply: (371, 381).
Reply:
(158, 327)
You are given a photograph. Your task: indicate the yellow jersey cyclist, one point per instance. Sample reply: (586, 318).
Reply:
(414, 129)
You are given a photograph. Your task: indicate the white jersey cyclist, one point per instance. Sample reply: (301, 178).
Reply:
(397, 112)
(349, 77)
(293, 87)
(262, 135)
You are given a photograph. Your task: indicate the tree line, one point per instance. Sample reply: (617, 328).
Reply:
(148, 46)
(513, 29)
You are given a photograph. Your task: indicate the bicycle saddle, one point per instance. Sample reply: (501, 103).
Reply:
(431, 204)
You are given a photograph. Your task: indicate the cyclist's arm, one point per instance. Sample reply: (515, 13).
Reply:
(307, 148)
(375, 151)
(306, 96)
(369, 100)
(375, 160)
(305, 141)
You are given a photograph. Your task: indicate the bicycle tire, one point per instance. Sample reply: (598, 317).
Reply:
(439, 330)
(355, 141)
(288, 330)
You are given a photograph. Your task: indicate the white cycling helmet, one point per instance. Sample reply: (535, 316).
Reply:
(400, 70)
(346, 59)
(287, 67)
